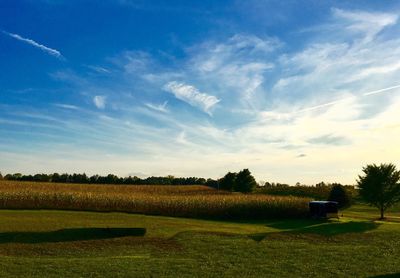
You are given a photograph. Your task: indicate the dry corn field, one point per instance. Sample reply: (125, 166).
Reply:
(182, 201)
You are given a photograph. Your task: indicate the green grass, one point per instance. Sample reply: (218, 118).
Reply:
(46, 243)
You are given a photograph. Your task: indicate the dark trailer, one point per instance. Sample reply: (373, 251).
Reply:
(323, 209)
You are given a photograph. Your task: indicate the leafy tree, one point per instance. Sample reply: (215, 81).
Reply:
(1, 176)
(55, 177)
(380, 186)
(228, 181)
(268, 185)
(245, 182)
(320, 184)
(212, 183)
(339, 194)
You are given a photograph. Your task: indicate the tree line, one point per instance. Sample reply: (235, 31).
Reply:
(110, 179)
(319, 191)
(240, 182)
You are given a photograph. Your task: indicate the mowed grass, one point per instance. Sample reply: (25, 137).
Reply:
(362, 211)
(43, 243)
(67, 243)
(182, 201)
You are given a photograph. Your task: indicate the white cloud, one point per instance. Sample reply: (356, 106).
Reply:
(235, 66)
(99, 101)
(46, 49)
(343, 65)
(192, 95)
(181, 138)
(98, 69)
(67, 106)
(376, 70)
(366, 22)
(158, 107)
(136, 61)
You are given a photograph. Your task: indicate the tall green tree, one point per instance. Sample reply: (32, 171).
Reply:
(379, 186)
(228, 182)
(245, 182)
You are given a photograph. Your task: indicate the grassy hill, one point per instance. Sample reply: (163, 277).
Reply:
(38, 243)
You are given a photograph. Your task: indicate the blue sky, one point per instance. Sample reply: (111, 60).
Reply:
(293, 90)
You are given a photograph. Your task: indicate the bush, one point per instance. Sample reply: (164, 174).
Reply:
(339, 194)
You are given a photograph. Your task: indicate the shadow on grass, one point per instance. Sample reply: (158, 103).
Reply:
(332, 229)
(296, 224)
(66, 235)
(387, 275)
(324, 228)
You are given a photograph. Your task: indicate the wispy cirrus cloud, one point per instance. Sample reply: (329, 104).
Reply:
(42, 47)
(98, 69)
(192, 96)
(239, 63)
(158, 107)
(369, 23)
(329, 139)
(66, 106)
(99, 101)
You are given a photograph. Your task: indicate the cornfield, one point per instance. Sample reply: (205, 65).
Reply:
(181, 201)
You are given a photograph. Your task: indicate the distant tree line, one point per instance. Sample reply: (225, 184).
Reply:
(320, 191)
(111, 179)
(240, 182)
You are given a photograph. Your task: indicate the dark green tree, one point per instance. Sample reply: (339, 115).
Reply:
(55, 177)
(245, 182)
(379, 186)
(212, 183)
(339, 194)
(228, 182)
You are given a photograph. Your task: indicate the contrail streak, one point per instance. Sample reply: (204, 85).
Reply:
(347, 98)
(49, 50)
(381, 90)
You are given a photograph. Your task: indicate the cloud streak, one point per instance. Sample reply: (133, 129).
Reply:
(365, 22)
(66, 106)
(158, 107)
(192, 95)
(348, 98)
(48, 50)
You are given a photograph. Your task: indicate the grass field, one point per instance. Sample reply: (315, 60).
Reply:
(72, 243)
(43, 243)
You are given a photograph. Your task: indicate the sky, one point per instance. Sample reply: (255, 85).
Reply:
(296, 91)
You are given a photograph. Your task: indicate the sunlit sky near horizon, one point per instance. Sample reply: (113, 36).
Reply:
(296, 91)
